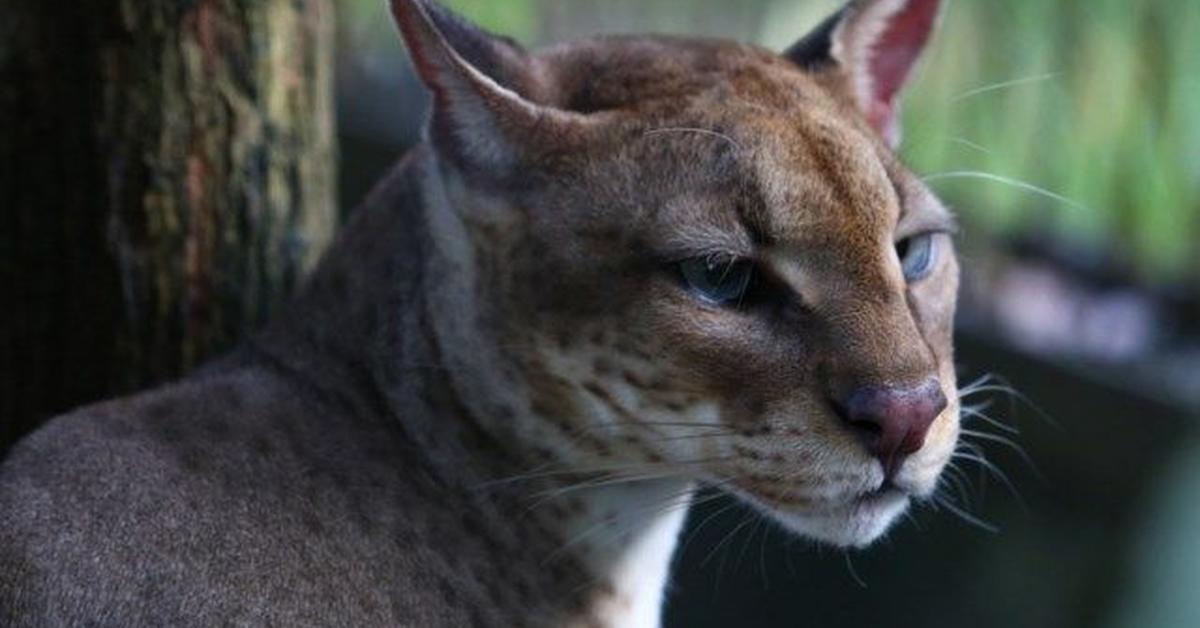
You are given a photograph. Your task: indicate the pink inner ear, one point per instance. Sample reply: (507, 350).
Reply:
(896, 51)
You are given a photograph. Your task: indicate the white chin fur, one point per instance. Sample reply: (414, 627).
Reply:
(856, 524)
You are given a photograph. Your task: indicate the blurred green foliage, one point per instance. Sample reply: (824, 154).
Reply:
(1095, 102)
(1100, 107)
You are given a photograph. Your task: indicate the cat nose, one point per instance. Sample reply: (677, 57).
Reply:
(893, 420)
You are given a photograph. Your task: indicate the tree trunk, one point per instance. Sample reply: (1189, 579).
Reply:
(166, 176)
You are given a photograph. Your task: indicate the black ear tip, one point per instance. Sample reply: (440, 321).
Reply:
(815, 51)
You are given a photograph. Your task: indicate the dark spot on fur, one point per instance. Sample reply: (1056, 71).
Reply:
(748, 452)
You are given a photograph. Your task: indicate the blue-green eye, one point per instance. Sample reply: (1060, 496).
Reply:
(918, 254)
(717, 279)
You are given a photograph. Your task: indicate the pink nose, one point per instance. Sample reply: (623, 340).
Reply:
(893, 421)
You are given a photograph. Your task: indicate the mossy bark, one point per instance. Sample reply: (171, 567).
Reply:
(166, 176)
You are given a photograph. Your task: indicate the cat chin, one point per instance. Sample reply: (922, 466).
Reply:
(856, 523)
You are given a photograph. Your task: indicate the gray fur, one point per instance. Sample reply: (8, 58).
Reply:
(278, 487)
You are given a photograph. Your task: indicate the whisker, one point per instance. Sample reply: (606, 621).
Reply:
(1015, 183)
(1009, 443)
(1003, 85)
(690, 424)
(962, 141)
(966, 516)
(697, 130)
(1008, 390)
(980, 485)
(541, 472)
(982, 380)
(696, 529)
(956, 477)
(994, 383)
(974, 412)
(862, 584)
(912, 518)
(749, 539)
(679, 499)
(978, 451)
(611, 480)
(668, 439)
(745, 519)
(762, 554)
(996, 472)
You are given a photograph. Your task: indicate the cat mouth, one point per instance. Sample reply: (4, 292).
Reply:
(887, 497)
(887, 492)
(852, 519)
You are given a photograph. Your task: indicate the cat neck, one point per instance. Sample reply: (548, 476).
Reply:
(622, 533)
(389, 320)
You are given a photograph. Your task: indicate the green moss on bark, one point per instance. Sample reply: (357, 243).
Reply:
(166, 176)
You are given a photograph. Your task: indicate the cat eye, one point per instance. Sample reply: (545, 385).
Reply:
(717, 279)
(917, 255)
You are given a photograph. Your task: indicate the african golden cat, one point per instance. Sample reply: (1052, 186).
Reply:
(616, 270)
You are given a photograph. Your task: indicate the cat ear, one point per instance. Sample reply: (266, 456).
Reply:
(480, 120)
(872, 46)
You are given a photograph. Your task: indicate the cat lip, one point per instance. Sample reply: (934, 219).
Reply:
(886, 492)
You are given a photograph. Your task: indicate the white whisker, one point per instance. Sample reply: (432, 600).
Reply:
(974, 412)
(696, 130)
(966, 516)
(972, 145)
(1009, 84)
(1009, 443)
(983, 462)
(1015, 183)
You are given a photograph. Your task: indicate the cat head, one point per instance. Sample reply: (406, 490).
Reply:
(698, 258)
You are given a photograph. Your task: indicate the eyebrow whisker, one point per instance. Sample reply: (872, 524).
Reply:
(696, 130)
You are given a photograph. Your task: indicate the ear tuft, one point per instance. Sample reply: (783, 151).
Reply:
(874, 45)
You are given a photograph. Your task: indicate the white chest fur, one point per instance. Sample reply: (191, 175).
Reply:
(628, 536)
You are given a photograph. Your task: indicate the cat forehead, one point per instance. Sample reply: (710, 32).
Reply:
(646, 72)
(747, 115)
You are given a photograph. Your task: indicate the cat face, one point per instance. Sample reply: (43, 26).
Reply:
(703, 259)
